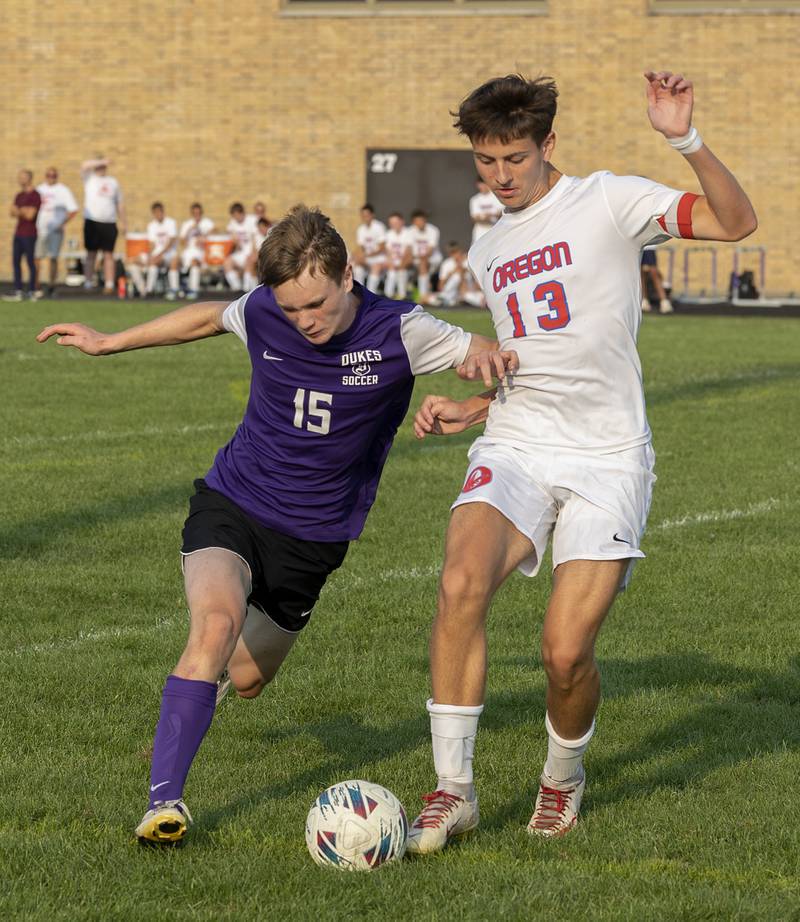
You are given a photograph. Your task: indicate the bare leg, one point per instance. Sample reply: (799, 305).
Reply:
(482, 548)
(583, 593)
(108, 270)
(88, 266)
(259, 653)
(217, 584)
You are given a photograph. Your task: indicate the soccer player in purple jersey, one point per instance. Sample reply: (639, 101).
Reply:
(333, 369)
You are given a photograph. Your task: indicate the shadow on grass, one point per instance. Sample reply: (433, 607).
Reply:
(32, 537)
(734, 715)
(757, 376)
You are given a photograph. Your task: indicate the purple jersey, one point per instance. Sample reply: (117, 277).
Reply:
(320, 420)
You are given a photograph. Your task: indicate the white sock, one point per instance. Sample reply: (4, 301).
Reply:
(373, 280)
(391, 283)
(233, 280)
(137, 277)
(564, 757)
(152, 278)
(174, 279)
(360, 274)
(402, 283)
(453, 729)
(249, 281)
(424, 285)
(194, 278)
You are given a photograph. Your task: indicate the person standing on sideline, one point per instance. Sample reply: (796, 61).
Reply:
(25, 208)
(103, 207)
(484, 210)
(651, 273)
(566, 451)
(333, 368)
(58, 208)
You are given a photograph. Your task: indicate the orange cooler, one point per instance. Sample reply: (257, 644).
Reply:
(218, 248)
(136, 246)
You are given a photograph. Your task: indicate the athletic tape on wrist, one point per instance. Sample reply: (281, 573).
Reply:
(690, 143)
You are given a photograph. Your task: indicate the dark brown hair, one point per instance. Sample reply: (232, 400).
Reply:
(509, 108)
(304, 239)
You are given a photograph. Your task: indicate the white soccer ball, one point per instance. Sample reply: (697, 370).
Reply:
(356, 826)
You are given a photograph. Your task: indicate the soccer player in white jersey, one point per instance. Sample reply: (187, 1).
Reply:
(237, 264)
(566, 450)
(424, 250)
(162, 232)
(398, 257)
(193, 233)
(484, 210)
(369, 258)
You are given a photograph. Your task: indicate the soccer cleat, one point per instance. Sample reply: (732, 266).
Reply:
(166, 824)
(171, 295)
(36, 295)
(223, 686)
(665, 306)
(17, 296)
(444, 817)
(556, 810)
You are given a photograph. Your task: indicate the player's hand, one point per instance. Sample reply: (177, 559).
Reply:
(489, 363)
(441, 416)
(78, 335)
(670, 99)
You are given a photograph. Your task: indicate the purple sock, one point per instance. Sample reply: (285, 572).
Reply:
(187, 706)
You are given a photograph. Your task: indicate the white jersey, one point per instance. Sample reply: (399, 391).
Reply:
(101, 198)
(370, 237)
(397, 242)
(562, 281)
(485, 211)
(160, 233)
(193, 233)
(242, 234)
(57, 202)
(425, 242)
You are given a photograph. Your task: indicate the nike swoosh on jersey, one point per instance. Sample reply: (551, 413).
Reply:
(271, 358)
(621, 540)
(489, 267)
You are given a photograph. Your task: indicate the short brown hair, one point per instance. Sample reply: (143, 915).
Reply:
(304, 239)
(509, 108)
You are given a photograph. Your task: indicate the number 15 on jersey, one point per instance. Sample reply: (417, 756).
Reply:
(311, 411)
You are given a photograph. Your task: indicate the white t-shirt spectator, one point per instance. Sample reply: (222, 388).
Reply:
(57, 202)
(101, 198)
(159, 233)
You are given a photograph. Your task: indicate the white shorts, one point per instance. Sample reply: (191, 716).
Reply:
(190, 255)
(595, 506)
(239, 258)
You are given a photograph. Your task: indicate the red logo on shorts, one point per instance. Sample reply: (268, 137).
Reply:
(478, 477)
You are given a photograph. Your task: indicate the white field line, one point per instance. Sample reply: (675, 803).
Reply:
(354, 579)
(718, 515)
(98, 435)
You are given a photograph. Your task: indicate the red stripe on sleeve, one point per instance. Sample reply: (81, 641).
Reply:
(662, 222)
(684, 220)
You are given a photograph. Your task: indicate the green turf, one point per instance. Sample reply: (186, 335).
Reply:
(691, 810)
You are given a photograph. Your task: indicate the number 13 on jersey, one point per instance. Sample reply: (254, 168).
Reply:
(555, 318)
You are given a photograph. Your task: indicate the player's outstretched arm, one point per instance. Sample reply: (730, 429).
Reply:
(443, 416)
(724, 212)
(195, 321)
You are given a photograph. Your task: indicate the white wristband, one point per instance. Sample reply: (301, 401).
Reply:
(690, 143)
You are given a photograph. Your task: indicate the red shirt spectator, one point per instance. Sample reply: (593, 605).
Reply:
(26, 227)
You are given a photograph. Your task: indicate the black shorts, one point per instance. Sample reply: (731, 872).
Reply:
(99, 235)
(287, 573)
(649, 258)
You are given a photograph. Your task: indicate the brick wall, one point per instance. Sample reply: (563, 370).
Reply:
(222, 101)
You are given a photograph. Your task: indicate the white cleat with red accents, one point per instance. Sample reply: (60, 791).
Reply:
(557, 806)
(444, 817)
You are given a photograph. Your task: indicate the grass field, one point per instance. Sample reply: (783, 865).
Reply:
(691, 809)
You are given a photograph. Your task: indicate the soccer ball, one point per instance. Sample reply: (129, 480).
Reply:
(356, 826)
